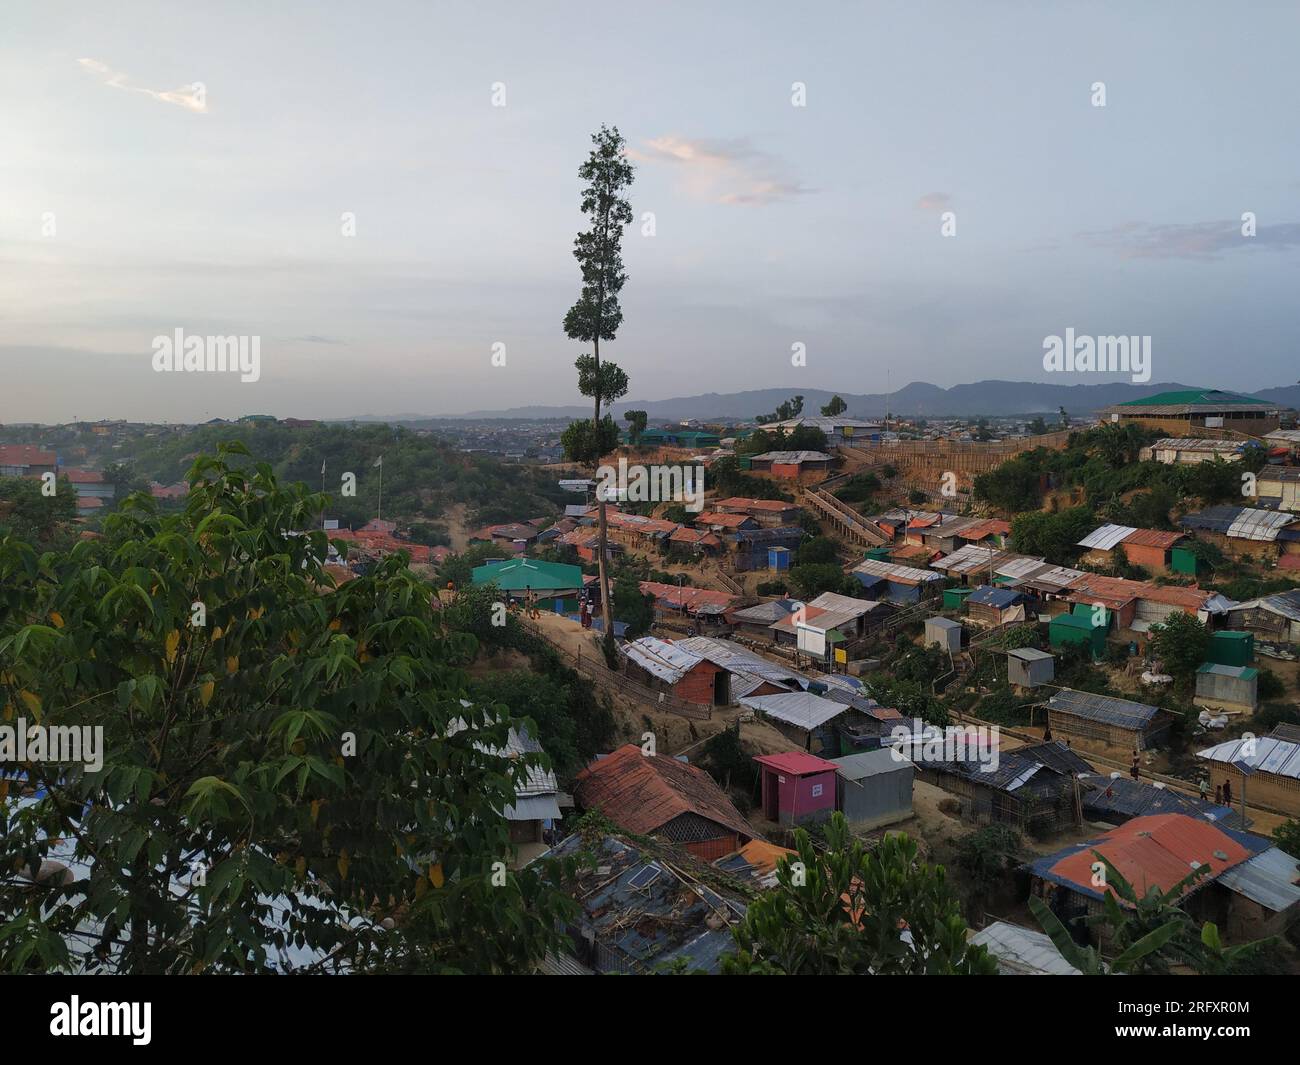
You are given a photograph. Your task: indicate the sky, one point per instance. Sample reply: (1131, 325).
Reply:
(192, 167)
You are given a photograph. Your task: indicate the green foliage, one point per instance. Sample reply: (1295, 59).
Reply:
(573, 723)
(989, 857)
(911, 698)
(843, 910)
(1287, 836)
(459, 568)
(306, 746)
(636, 422)
(917, 498)
(813, 579)
(772, 588)
(834, 407)
(1054, 536)
(582, 444)
(816, 550)
(1181, 643)
(633, 606)
(1270, 686)
(789, 409)
(860, 488)
(423, 476)
(597, 315)
(28, 514)
(728, 760)
(604, 381)
(729, 479)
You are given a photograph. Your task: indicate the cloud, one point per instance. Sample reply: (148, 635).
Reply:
(933, 201)
(191, 97)
(724, 171)
(1191, 240)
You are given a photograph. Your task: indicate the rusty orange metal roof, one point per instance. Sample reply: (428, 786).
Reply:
(642, 793)
(1154, 851)
(1153, 538)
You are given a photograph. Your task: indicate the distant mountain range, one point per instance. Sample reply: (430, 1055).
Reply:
(918, 399)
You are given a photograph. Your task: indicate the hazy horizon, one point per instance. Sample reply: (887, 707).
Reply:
(171, 168)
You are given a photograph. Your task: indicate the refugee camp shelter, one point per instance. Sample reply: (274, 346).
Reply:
(551, 581)
(1011, 789)
(802, 717)
(1071, 630)
(945, 632)
(875, 787)
(1230, 648)
(663, 665)
(638, 912)
(997, 606)
(797, 787)
(1149, 852)
(1100, 720)
(1265, 769)
(1030, 667)
(1227, 687)
(656, 795)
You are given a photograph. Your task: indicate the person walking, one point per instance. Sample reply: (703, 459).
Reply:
(1136, 769)
(1227, 793)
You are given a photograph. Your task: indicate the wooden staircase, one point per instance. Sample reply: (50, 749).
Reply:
(845, 519)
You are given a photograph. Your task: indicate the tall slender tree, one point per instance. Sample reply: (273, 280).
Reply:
(597, 314)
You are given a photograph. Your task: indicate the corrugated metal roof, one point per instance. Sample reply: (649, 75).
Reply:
(1123, 798)
(1022, 951)
(796, 763)
(1154, 538)
(1285, 604)
(1155, 851)
(1271, 878)
(973, 557)
(844, 604)
(1246, 523)
(1196, 443)
(749, 670)
(891, 571)
(999, 598)
(801, 709)
(1265, 754)
(793, 458)
(872, 763)
(1106, 537)
(660, 658)
(1121, 712)
(642, 793)
(1030, 654)
(1242, 672)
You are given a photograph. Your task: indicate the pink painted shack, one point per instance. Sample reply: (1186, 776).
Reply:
(797, 787)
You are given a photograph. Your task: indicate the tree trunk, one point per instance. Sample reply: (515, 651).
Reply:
(606, 613)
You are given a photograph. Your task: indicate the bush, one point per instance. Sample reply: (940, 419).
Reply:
(1271, 686)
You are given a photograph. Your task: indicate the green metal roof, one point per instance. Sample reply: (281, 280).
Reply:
(519, 574)
(1204, 396)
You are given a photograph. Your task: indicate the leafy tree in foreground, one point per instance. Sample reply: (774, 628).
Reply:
(290, 778)
(843, 911)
